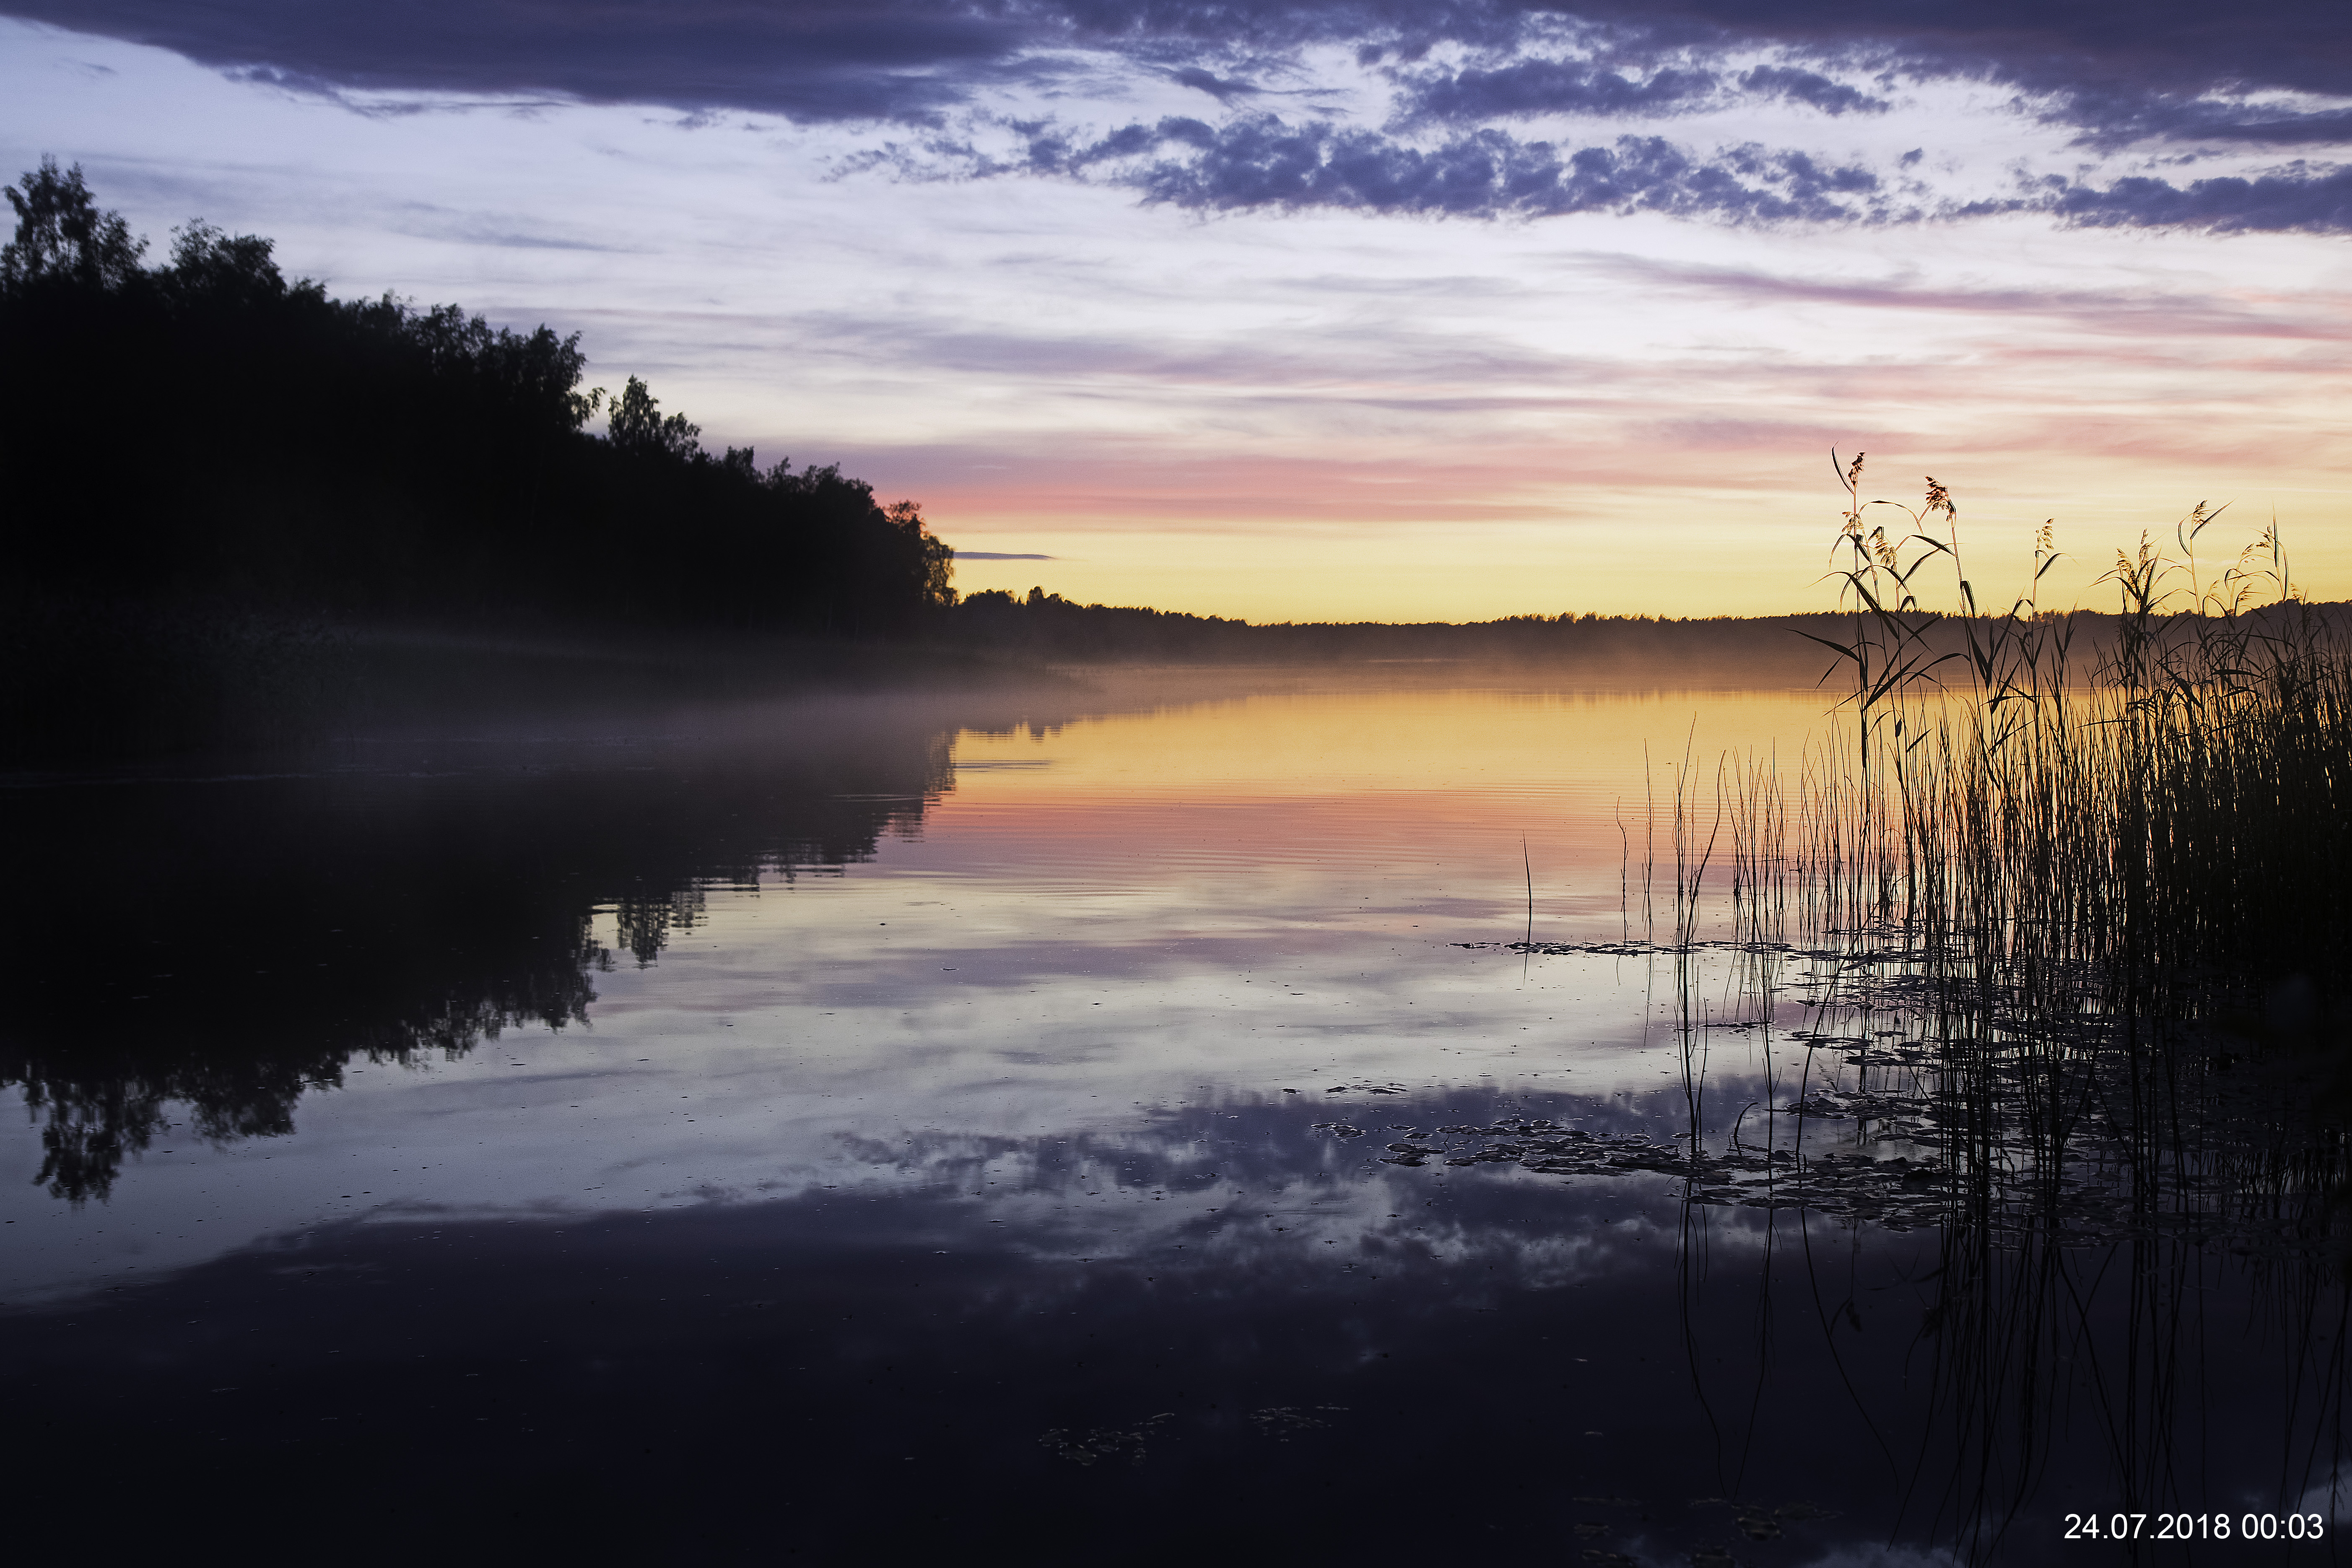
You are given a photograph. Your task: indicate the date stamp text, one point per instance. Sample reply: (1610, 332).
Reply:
(2195, 1526)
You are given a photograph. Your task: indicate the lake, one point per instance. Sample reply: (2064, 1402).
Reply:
(1113, 1121)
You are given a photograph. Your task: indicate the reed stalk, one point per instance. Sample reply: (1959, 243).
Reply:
(2104, 901)
(2070, 919)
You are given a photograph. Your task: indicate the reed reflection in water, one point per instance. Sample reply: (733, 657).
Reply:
(986, 1090)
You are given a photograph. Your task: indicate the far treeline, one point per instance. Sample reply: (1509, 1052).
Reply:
(1045, 625)
(1750, 650)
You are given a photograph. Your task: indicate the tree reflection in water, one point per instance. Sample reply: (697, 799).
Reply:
(212, 950)
(2139, 1237)
(1933, 1285)
(2135, 1180)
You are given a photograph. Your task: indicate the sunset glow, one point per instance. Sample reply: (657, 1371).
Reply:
(1432, 398)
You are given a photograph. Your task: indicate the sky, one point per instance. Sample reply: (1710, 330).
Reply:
(1338, 309)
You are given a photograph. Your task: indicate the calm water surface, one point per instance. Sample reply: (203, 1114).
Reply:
(862, 1127)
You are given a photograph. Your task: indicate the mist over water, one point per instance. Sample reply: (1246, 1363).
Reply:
(1107, 1122)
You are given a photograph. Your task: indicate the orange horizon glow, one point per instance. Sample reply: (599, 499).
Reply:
(1316, 414)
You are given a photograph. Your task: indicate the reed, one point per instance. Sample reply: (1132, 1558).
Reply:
(2078, 916)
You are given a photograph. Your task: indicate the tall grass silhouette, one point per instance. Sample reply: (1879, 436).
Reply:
(2101, 886)
(2068, 918)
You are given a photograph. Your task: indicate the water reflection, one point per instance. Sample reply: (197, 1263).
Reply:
(224, 945)
(1121, 1136)
(1227, 1319)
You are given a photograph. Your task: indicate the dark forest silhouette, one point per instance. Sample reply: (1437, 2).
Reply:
(207, 426)
(209, 467)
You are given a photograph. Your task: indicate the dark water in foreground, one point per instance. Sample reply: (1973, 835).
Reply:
(851, 1131)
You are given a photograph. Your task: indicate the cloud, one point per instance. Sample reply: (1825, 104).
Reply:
(1544, 86)
(1810, 88)
(2138, 67)
(999, 555)
(2103, 74)
(813, 61)
(2117, 119)
(1208, 82)
(2300, 197)
(2094, 58)
(1556, 87)
(2138, 314)
(1262, 161)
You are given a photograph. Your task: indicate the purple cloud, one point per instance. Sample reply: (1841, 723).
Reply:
(2104, 73)
(1810, 88)
(1544, 86)
(1556, 87)
(1261, 161)
(2311, 199)
(2105, 62)
(1222, 89)
(809, 60)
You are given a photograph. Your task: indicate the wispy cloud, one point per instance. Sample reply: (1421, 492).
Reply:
(2141, 313)
(2305, 198)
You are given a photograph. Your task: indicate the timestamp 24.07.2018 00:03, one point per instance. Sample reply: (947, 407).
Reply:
(2196, 1526)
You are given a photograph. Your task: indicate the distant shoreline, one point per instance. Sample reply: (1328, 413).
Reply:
(97, 681)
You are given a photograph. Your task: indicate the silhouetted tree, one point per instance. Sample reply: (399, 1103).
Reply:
(935, 556)
(62, 237)
(637, 425)
(211, 433)
(212, 269)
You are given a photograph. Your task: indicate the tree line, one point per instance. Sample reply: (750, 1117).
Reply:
(1612, 648)
(1643, 651)
(207, 430)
